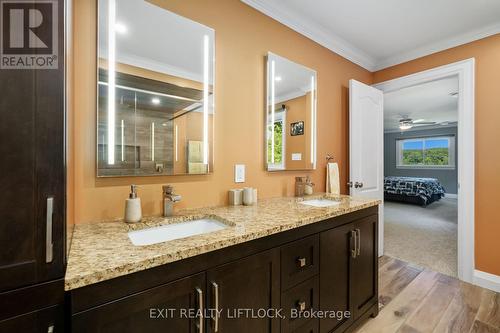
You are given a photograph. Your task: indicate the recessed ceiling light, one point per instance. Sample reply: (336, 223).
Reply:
(155, 100)
(120, 28)
(277, 78)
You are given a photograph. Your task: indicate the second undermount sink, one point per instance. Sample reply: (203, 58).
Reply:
(173, 231)
(320, 202)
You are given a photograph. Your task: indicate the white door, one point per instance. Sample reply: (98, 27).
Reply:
(366, 146)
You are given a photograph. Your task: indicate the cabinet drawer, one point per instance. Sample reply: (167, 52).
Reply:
(302, 298)
(299, 261)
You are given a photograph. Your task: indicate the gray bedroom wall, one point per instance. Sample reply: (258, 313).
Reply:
(448, 178)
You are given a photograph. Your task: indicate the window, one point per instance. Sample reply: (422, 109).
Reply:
(428, 152)
(279, 143)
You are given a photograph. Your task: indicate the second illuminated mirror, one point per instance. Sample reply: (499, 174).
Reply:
(290, 115)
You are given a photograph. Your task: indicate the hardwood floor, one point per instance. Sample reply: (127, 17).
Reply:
(416, 300)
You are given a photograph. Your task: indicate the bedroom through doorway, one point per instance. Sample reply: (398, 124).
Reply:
(421, 174)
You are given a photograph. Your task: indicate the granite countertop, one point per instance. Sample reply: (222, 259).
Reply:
(101, 251)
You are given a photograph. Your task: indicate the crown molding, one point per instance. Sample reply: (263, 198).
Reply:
(304, 27)
(343, 48)
(157, 66)
(438, 46)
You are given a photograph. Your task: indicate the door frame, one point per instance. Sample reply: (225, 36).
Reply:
(465, 70)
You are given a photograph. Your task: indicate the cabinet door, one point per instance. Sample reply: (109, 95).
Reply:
(251, 283)
(160, 309)
(32, 171)
(40, 321)
(364, 284)
(335, 275)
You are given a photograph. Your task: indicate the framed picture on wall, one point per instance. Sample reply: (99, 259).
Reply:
(297, 128)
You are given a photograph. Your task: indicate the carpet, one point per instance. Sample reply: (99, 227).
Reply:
(426, 236)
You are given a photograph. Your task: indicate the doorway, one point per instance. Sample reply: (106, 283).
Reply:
(464, 159)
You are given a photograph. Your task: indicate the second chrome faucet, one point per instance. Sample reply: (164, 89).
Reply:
(168, 200)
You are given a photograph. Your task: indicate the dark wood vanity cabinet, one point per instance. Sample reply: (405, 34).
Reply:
(329, 265)
(155, 310)
(349, 272)
(249, 283)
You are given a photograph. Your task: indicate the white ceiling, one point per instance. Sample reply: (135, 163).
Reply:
(152, 39)
(430, 101)
(379, 34)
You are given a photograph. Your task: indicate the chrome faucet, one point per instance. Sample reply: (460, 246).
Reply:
(168, 200)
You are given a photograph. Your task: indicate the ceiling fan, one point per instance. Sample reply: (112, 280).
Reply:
(406, 123)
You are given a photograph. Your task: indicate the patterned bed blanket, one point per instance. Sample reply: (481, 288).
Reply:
(424, 188)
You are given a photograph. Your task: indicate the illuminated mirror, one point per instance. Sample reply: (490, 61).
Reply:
(290, 115)
(155, 91)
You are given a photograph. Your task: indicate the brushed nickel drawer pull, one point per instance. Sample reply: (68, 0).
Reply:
(359, 242)
(301, 262)
(355, 238)
(200, 306)
(215, 322)
(49, 245)
(301, 305)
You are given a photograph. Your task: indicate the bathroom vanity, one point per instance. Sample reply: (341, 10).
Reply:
(278, 254)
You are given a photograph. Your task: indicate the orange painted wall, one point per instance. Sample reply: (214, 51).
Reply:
(243, 38)
(298, 109)
(487, 166)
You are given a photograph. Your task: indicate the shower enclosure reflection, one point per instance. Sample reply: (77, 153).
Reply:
(155, 92)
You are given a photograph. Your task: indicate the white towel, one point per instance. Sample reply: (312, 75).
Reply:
(332, 178)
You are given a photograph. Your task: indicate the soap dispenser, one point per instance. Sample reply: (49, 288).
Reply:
(133, 210)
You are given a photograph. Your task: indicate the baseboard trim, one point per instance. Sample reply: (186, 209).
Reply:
(451, 195)
(487, 280)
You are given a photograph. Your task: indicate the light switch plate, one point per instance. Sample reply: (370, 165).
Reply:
(239, 173)
(296, 157)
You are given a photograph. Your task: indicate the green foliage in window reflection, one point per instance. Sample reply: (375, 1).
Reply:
(278, 143)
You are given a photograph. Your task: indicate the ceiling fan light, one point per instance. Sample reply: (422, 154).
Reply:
(404, 127)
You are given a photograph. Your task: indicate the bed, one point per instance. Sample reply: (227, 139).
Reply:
(420, 191)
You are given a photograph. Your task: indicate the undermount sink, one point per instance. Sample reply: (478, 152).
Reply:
(320, 202)
(173, 231)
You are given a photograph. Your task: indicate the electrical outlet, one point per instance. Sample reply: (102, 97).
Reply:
(239, 173)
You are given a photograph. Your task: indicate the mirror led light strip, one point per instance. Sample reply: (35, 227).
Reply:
(111, 80)
(153, 141)
(176, 143)
(205, 98)
(122, 125)
(273, 103)
(313, 123)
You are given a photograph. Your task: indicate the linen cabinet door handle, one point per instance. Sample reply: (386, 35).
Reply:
(358, 231)
(49, 245)
(200, 306)
(215, 319)
(354, 237)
